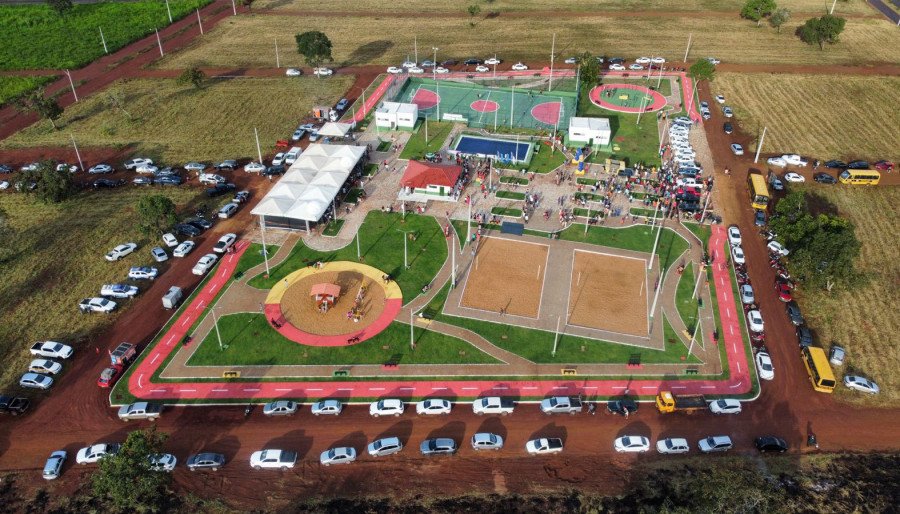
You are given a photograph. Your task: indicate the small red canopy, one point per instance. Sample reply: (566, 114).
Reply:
(326, 289)
(421, 175)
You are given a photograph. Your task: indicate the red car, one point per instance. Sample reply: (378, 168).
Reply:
(884, 166)
(784, 292)
(109, 376)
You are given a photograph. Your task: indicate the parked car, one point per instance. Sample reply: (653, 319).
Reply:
(759, 218)
(224, 243)
(727, 112)
(728, 128)
(571, 60)
(672, 445)
(858, 165)
(836, 356)
(793, 312)
(794, 177)
(776, 247)
(274, 170)
(273, 459)
(323, 72)
(159, 255)
(737, 149)
(184, 248)
(241, 197)
(142, 181)
(170, 240)
(755, 321)
(394, 70)
(170, 180)
(734, 235)
(204, 264)
(438, 446)
(440, 70)
(254, 167)
(764, 366)
(143, 273)
(385, 446)
(162, 462)
(635, 67)
(887, 166)
(280, 408)
(472, 62)
(783, 291)
(96, 304)
(617, 67)
(776, 161)
(486, 441)
(861, 384)
(716, 443)
(51, 349)
(836, 164)
(519, 67)
(293, 72)
(824, 178)
(622, 406)
(770, 443)
(100, 169)
(220, 189)
(228, 210)
(136, 162)
(211, 178)
(13, 405)
(109, 375)
(339, 455)
(544, 446)
(95, 452)
(226, 165)
(631, 444)
(433, 406)
(737, 253)
(45, 366)
(482, 69)
(121, 251)
(747, 297)
(201, 461)
(186, 229)
(386, 407)
(725, 406)
(147, 169)
(35, 381)
(53, 466)
(105, 183)
(804, 336)
(327, 407)
(140, 410)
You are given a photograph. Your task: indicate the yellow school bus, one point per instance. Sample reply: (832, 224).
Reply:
(864, 177)
(818, 368)
(759, 192)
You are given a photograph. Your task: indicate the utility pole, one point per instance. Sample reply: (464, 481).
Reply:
(552, 52)
(556, 337)
(832, 7)
(258, 149)
(662, 278)
(199, 22)
(277, 57)
(434, 68)
(218, 335)
(169, 11)
(358, 256)
(103, 40)
(762, 138)
(697, 284)
(688, 49)
(158, 40)
(416, 49)
(234, 7)
(72, 85)
(643, 101)
(708, 196)
(412, 336)
(655, 242)
(262, 227)
(77, 153)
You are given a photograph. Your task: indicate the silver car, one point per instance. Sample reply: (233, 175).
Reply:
(280, 408)
(386, 446)
(440, 445)
(54, 465)
(486, 441)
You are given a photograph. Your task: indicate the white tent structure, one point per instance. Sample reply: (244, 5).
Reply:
(334, 129)
(310, 185)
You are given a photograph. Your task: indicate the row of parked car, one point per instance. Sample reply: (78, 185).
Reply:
(39, 370)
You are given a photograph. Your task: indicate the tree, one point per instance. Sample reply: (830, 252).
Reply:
(62, 7)
(35, 101)
(474, 10)
(756, 10)
(702, 70)
(822, 30)
(156, 214)
(588, 70)
(115, 99)
(779, 18)
(193, 76)
(315, 47)
(51, 186)
(125, 481)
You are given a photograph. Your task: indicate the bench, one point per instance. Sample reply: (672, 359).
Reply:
(341, 373)
(569, 371)
(231, 374)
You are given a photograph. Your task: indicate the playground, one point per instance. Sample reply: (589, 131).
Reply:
(628, 98)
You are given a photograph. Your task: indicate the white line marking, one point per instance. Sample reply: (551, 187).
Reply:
(437, 388)
(313, 389)
(219, 390)
(731, 331)
(734, 347)
(140, 380)
(376, 389)
(402, 388)
(739, 367)
(251, 390)
(737, 385)
(591, 387)
(500, 387)
(187, 390)
(158, 390)
(619, 387)
(469, 388)
(345, 389)
(679, 387)
(530, 387)
(648, 387)
(154, 358)
(707, 387)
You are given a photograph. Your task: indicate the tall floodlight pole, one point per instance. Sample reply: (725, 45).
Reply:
(169, 11)
(434, 68)
(159, 41)
(103, 40)
(655, 242)
(832, 7)
(258, 149)
(405, 239)
(426, 130)
(659, 80)
(77, 153)
(643, 101)
(759, 146)
(512, 103)
(358, 255)
(265, 250)
(72, 85)
(216, 322)
(453, 248)
(556, 337)
(662, 278)
(469, 223)
(552, 52)
(277, 56)
(688, 48)
(697, 285)
(416, 49)
(703, 215)
(694, 335)
(234, 7)
(437, 87)
(412, 337)
(199, 22)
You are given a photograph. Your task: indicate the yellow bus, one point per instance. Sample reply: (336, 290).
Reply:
(817, 367)
(864, 177)
(759, 192)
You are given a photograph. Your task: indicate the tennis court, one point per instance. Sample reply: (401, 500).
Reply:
(487, 107)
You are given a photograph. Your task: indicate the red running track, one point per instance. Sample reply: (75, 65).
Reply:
(391, 309)
(659, 101)
(739, 381)
(687, 90)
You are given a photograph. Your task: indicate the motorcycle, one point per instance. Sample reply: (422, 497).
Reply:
(811, 441)
(248, 410)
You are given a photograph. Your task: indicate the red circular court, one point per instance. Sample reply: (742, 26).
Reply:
(547, 112)
(484, 106)
(608, 97)
(425, 99)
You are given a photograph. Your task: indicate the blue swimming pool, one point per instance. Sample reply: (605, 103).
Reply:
(487, 147)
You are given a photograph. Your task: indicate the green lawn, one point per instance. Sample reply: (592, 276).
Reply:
(510, 195)
(647, 213)
(701, 231)
(35, 37)
(506, 211)
(383, 146)
(637, 238)
(637, 143)
(687, 306)
(372, 168)
(333, 227)
(381, 245)
(252, 342)
(417, 146)
(543, 160)
(253, 257)
(10, 87)
(353, 195)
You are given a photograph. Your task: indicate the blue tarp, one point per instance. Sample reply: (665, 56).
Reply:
(508, 227)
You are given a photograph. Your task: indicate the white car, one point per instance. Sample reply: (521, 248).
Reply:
(293, 72)
(254, 167)
(118, 290)
(386, 446)
(340, 455)
(737, 149)
(204, 264)
(95, 452)
(211, 178)
(280, 408)
(482, 69)
(713, 60)
(755, 321)
(35, 381)
(734, 235)
(323, 72)
(672, 445)
(737, 253)
(54, 465)
(794, 159)
(433, 406)
(440, 70)
(764, 366)
(776, 161)
(727, 112)
(51, 349)
(415, 70)
(544, 446)
(159, 255)
(519, 67)
(617, 67)
(394, 70)
(635, 67)
(487, 441)
(861, 384)
(632, 444)
(273, 459)
(571, 60)
(143, 273)
(162, 462)
(716, 443)
(720, 98)
(195, 166)
(278, 160)
(747, 297)
(121, 251)
(4, 184)
(643, 60)
(97, 304)
(228, 210)
(408, 64)
(183, 249)
(794, 177)
(493, 60)
(137, 161)
(170, 240)
(224, 243)
(327, 407)
(44, 366)
(727, 406)
(100, 168)
(776, 247)
(147, 169)
(386, 407)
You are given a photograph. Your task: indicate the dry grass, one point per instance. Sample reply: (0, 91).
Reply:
(177, 123)
(374, 40)
(864, 321)
(818, 115)
(852, 6)
(60, 261)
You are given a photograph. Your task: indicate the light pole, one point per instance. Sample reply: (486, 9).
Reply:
(216, 322)
(434, 68)
(262, 227)
(258, 148)
(277, 56)
(103, 39)
(170, 11)
(405, 239)
(72, 85)
(77, 153)
(158, 40)
(199, 22)
(762, 138)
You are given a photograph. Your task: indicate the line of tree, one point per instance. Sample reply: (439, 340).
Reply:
(816, 31)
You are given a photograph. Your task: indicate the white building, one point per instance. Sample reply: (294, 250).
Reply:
(589, 131)
(394, 115)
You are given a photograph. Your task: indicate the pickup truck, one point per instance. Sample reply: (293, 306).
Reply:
(667, 402)
(140, 410)
(561, 405)
(544, 446)
(493, 405)
(13, 405)
(273, 459)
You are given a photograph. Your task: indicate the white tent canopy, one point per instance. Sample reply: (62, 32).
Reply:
(308, 188)
(333, 129)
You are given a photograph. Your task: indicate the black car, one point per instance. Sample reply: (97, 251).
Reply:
(220, 189)
(212, 461)
(804, 336)
(616, 60)
(201, 223)
(621, 406)
(836, 164)
(473, 62)
(229, 165)
(186, 229)
(106, 182)
(5, 169)
(450, 62)
(12, 405)
(728, 128)
(770, 443)
(687, 206)
(824, 178)
(759, 218)
(170, 180)
(687, 197)
(274, 170)
(859, 165)
(793, 312)
(241, 197)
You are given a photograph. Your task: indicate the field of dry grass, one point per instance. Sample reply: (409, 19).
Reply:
(176, 123)
(864, 321)
(818, 115)
(373, 40)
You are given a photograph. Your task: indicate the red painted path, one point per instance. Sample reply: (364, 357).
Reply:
(139, 384)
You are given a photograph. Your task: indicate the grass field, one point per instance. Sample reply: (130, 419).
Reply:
(824, 116)
(864, 320)
(41, 289)
(35, 37)
(637, 142)
(176, 123)
(542, 161)
(268, 347)
(418, 146)
(253, 257)
(10, 87)
(363, 39)
(687, 306)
